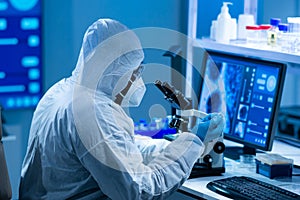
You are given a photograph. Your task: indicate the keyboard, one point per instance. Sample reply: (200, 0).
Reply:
(243, 187)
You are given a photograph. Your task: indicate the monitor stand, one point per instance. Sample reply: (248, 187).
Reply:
(234, 153)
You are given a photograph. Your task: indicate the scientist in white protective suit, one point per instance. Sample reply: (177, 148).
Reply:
(82, 144)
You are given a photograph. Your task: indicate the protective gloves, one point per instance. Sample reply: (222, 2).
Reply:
(209, 127)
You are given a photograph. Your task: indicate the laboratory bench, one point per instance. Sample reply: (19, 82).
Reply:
(196, 188)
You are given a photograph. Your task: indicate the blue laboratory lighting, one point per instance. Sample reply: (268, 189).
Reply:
(33, 41)
(30, 61)
(29, 23)
(3, 6)
(20, 53)
(3, 24)
(23, 5)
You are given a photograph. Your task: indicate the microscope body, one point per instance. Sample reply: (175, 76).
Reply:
(211, 162)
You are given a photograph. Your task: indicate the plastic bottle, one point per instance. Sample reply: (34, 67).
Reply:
(233, 35)
(213, 28)
(284, 42)
(264, 29)
(294, 31)
(243, 21)
(224, 24)
(253, 35)
(273, 32)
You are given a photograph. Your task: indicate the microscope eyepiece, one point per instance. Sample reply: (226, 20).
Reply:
(174, 96)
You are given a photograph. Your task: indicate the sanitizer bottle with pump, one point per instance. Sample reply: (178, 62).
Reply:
(224, 24)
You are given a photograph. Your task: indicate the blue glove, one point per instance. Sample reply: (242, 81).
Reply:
(210, 127)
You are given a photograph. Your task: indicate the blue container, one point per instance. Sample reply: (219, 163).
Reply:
(275, 170)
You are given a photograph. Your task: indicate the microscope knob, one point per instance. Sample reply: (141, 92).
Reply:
(208, 159)
(175, 123)
(219, 147)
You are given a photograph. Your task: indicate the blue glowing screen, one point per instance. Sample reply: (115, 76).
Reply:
(20, 53)
(248, 92)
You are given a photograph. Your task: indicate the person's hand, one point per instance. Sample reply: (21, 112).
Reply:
(210, 127)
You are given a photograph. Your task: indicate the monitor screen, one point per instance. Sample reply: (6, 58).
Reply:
(21, 53)
(248, 92)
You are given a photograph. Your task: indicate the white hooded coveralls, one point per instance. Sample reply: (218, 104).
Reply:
(82, 144)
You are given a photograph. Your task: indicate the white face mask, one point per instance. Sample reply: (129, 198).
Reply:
(135, 94)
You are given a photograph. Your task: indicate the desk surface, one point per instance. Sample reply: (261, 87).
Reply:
(197, 186)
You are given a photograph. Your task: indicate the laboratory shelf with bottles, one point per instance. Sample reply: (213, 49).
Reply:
(260, 51)
(241, 47)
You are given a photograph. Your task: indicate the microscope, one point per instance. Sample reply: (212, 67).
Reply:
(211, 162)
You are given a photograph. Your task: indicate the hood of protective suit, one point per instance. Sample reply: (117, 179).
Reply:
(109, 54)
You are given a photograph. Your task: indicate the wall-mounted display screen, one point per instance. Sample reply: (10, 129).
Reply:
(20, 53)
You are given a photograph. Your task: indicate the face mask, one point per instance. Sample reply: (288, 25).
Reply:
(132, 94)
(135, 94)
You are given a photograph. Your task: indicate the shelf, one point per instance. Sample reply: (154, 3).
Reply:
(240, 47)
(9, 138)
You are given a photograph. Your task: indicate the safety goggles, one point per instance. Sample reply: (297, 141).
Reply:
(136, 74)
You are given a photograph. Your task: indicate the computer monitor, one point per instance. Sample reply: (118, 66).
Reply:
(248, 92)
(20, 53)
